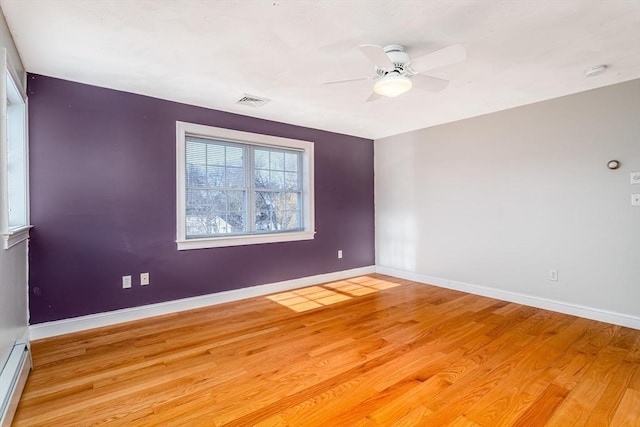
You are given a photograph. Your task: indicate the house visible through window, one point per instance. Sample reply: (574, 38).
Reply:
(237, 188)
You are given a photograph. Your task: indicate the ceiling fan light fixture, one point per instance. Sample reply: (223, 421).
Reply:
(392, 85)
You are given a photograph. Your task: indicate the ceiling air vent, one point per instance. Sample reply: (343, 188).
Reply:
(252, 100)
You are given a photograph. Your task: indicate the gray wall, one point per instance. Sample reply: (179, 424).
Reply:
(499, 200)
(13, 261)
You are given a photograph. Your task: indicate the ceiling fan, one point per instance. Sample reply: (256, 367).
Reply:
(396, 72)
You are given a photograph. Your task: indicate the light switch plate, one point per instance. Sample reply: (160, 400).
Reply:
(634, 177)
(635, 199)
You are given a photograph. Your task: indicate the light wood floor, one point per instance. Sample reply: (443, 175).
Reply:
(371, 351)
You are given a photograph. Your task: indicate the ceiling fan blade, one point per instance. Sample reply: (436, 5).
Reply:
(374, 96)
(432, 84)
(348, 80)
(439, 58)
(376, 55)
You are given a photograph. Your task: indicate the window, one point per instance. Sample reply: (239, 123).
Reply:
(15, 215)
(238, 188)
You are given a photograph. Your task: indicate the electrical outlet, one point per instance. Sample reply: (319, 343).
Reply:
(126, 282)
(144, 279)
(340, 254)
(553, 275)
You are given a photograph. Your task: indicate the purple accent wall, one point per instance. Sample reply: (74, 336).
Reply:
(103, 204)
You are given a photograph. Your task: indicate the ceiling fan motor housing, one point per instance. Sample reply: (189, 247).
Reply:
(398, 56)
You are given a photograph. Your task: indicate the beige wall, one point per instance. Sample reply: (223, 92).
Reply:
(497, 201)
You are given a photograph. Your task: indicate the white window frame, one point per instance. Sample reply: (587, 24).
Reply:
(12, 92)
(184, 129)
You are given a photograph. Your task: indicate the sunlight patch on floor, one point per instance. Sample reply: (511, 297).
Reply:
(330, 293)
(308, 298)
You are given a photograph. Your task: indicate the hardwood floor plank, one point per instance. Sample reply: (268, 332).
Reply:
(543, 408)
(603, 412)
(382, 351)
(628, 412)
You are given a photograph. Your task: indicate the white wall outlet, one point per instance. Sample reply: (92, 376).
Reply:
(553, 275)
(634, 177)
(340, 254)
(126, 282)
(144, 279)
(635, 199)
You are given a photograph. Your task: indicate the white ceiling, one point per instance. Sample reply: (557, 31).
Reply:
(209, 53)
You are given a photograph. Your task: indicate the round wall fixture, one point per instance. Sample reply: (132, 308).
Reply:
(613, 164)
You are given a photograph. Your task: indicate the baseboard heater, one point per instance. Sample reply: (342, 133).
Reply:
(12, 380)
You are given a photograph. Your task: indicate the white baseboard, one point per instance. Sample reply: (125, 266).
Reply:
(13, 377)
(530, 300)
(76, 324)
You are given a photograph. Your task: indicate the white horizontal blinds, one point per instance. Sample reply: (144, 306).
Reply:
(216, 188)
(278, 189)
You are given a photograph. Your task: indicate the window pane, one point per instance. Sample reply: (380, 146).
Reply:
(276, 180)
(289, 220)
(235, 200)
(196, 225)
(291, 181)
(215, 176)
(235, 219)
(218, 223)
(262, 179)
(235, 156)
(292, 201)
(291, 161)
(261, 159)
(215, 154)
(212, 212)
(235, 177)
(277, 211)
(196, 153)
(196, 175)
(217, 199)
(196, 200)
(276, 160)
(265, 212)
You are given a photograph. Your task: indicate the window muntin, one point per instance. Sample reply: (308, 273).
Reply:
(238, 188)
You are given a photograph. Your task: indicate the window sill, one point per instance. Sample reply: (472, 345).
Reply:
(220, 242)
(14, 236)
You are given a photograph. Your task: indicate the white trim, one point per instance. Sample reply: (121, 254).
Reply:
(13, 237)
(13, 377)
(14, 96)
(253, 239)
(76, 324)
(530, 300)
(307, 147)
